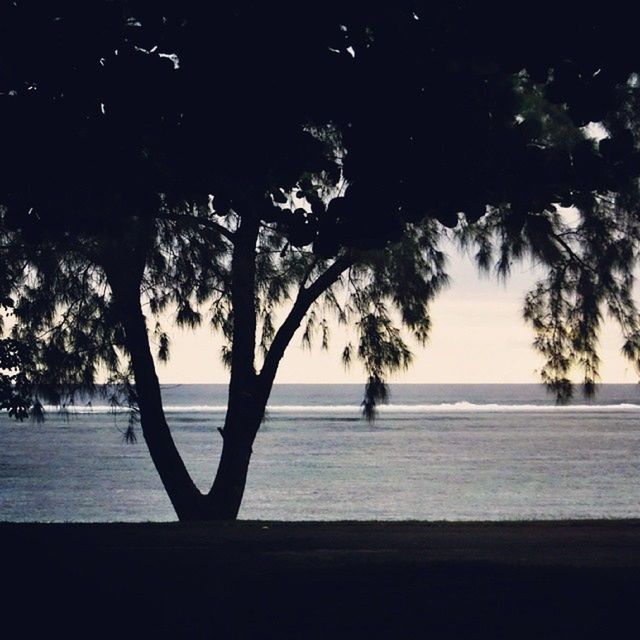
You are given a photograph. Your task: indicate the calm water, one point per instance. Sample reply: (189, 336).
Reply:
(437, 452)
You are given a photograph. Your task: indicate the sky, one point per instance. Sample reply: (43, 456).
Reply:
(478, 336)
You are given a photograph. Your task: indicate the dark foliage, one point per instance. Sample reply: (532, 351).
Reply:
(439, 108)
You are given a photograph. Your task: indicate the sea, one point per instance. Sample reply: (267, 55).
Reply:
(436, 452)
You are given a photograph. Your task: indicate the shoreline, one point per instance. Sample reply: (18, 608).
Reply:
(577, 578)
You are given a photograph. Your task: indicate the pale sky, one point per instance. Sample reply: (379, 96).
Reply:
(478, 336)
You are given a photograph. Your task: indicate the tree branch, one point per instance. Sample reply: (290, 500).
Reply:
(572, 254)
(306, 297)
(243, 302)
(198, 221)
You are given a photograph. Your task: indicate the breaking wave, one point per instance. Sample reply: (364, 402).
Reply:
(445, 407)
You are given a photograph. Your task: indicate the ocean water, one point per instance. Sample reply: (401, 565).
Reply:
(436, 452)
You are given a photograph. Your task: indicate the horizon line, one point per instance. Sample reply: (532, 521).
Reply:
(577, 385)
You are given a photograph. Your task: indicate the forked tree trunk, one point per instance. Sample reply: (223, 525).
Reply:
(243, 419)
(248, 391)
(246, 405)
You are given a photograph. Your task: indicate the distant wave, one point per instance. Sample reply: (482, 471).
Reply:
(445, 407)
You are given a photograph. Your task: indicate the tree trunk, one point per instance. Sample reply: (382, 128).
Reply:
(248, 391)
(242, 422)
(188, 502)
(246, 405)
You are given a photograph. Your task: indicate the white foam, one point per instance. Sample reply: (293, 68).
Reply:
(445, 407)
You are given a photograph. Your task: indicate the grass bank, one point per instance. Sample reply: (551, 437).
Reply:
(342, 579)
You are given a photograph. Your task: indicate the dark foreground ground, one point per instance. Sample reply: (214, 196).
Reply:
(328, 580)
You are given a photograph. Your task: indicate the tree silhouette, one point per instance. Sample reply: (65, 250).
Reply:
(259, 167)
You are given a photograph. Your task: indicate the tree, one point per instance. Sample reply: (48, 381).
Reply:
(14, 398)
(140, 173)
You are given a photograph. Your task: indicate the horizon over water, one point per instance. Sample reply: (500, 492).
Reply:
(436, 452)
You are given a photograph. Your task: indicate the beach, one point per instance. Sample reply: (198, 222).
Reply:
(332, 579)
